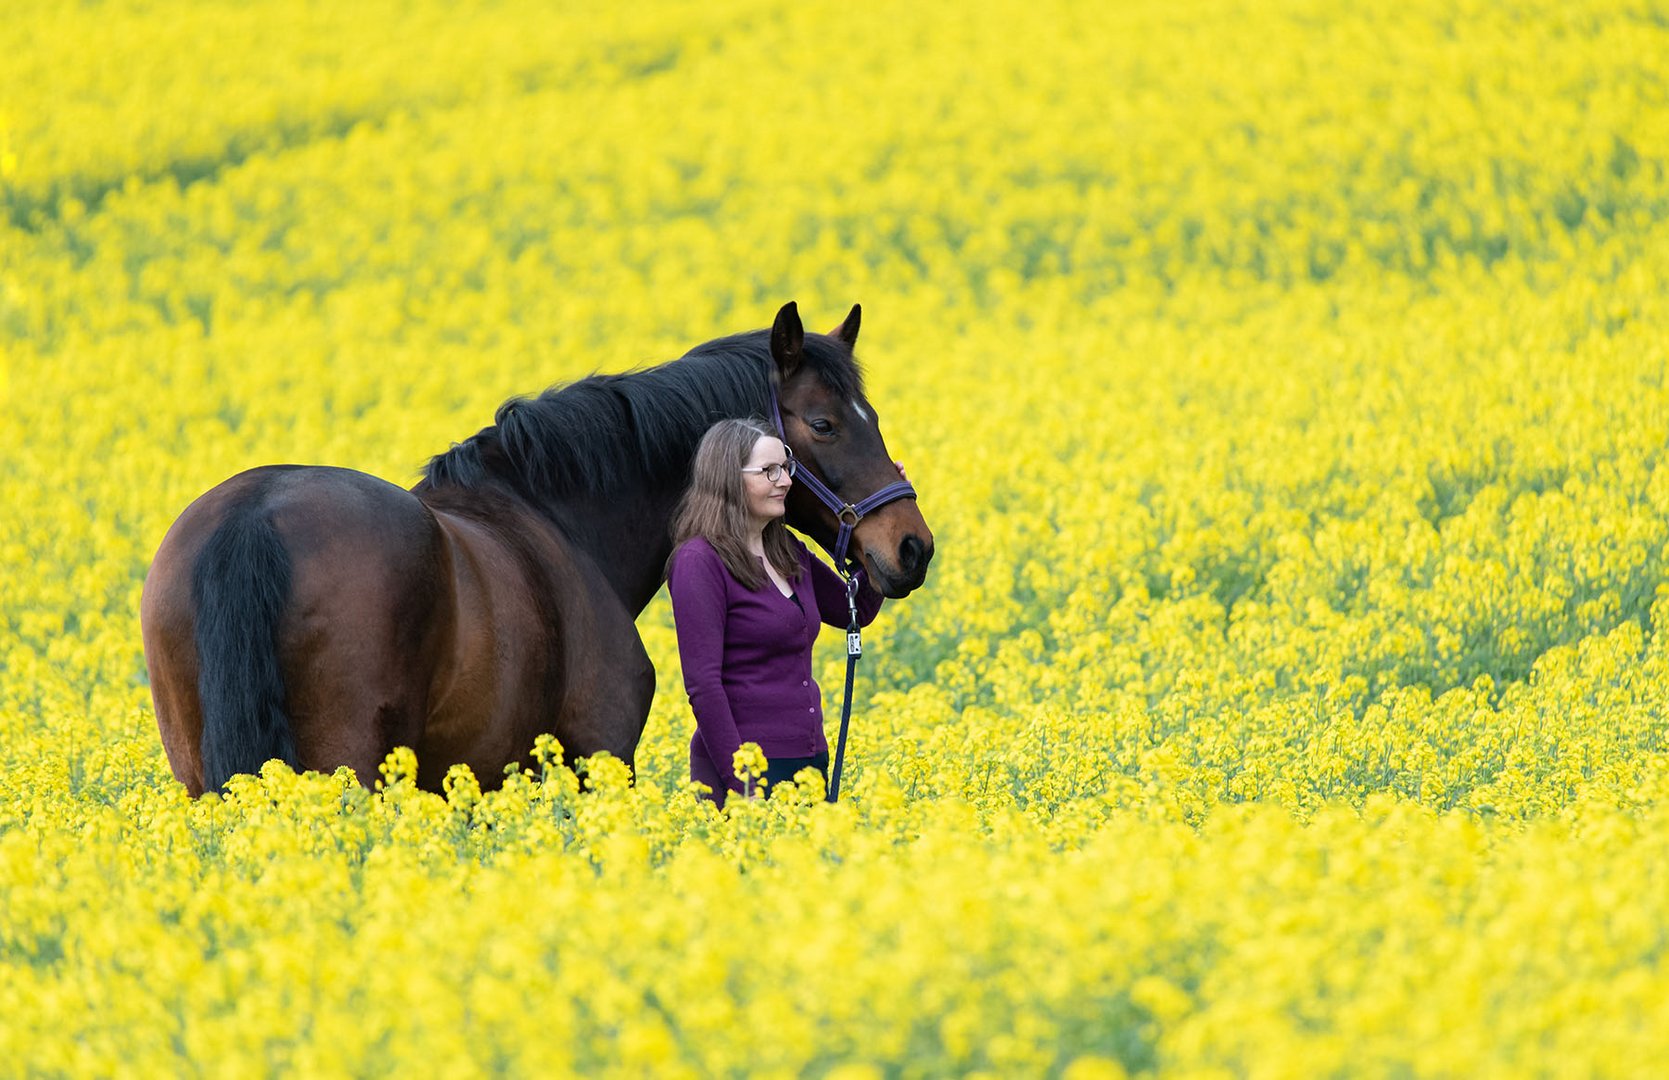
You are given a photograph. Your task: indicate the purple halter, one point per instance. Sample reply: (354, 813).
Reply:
(848, 514)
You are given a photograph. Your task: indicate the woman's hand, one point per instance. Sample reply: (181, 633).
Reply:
(899, 465)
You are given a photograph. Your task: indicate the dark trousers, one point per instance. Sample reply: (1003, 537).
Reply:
(777, 770)
(783, 768)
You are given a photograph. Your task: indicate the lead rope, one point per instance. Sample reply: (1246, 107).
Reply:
(854, 650)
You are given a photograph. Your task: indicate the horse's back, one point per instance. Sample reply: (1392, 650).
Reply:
(354, 567)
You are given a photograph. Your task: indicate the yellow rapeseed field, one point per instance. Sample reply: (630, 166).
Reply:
(1285, 386)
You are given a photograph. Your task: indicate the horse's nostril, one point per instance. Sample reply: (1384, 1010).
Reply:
(909, 554)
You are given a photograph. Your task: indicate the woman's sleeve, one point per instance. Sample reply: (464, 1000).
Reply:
(830, 590)
(696, 583)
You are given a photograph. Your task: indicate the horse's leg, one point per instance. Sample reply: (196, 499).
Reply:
(353, 702)
(356, 644)
(534, 642)
(354, 689)
(608, 679)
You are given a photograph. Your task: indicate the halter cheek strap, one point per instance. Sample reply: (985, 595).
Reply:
(847, 514)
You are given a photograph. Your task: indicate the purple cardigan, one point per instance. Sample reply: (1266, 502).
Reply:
(746, 656)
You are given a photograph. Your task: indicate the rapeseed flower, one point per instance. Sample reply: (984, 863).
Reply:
(1287, 694)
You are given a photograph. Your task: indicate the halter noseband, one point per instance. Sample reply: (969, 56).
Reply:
(848, 514)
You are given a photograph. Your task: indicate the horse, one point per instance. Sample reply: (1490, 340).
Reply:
(322, 616)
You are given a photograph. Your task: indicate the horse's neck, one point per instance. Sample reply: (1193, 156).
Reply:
(630, 535)
(629, 538)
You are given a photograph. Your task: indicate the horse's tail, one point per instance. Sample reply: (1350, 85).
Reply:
(239, 586)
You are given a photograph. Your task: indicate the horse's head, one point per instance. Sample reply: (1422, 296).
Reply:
(835, 433)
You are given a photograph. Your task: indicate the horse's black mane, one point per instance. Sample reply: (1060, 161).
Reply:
(605, 432)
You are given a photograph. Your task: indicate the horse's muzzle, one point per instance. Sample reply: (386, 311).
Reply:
(906, 569)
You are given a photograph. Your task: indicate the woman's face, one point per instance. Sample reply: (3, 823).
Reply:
(766, 498)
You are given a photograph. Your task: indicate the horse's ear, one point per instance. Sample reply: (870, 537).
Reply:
(788, 335)
(848, 330)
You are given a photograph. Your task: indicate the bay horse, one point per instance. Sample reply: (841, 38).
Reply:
(322, 616)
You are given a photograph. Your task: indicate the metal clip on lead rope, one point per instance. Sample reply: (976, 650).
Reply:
(854, 650)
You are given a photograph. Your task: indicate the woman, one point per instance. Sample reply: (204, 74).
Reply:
(748, 600)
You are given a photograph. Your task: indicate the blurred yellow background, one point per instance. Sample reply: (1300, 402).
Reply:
(1284, 384)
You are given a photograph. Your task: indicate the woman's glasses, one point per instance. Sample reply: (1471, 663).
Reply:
(774, 472)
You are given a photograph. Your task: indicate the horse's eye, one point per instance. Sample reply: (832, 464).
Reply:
(822, 427)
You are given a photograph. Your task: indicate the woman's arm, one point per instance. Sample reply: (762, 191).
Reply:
(696, 583)
(830, 590)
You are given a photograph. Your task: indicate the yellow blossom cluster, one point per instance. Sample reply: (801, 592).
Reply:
(1285, 385)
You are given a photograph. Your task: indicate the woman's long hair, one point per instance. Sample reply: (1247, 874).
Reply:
(716, 505)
